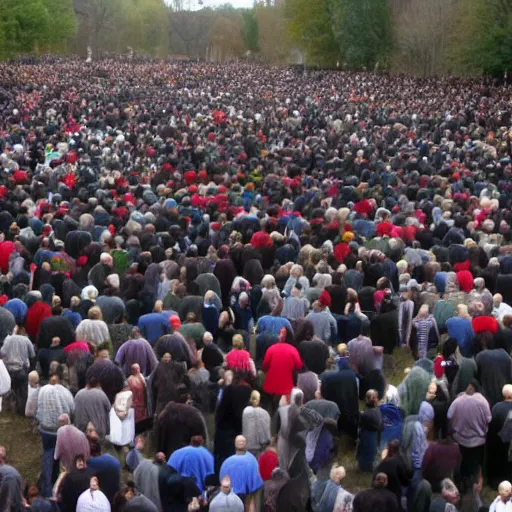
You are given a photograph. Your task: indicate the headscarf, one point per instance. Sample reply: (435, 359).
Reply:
(413, 389)
(90, 292)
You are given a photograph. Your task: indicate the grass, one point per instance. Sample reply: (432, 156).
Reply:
(20, 437)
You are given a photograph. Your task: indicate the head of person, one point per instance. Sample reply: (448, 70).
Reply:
(94, 484)
(190, 318)
(380, 481)
(473, 387)
(33, 379)
(337, 474)
(268, 282)
(393, 448)
(497, 299)
(285, 336)
(207, 338)
(372, 398)
(95, 313)
(74, 302)
(102, 351)
(505, 491)
(507, 392)
(225, 485)
(240, 444)
(166, 358)
(238, 342)
(158, 307)
(462, 311)
(450, 492)
(106, 259)
(197, 441)
(80, 462)
(175, 322)
(255, 398)
(342, 350)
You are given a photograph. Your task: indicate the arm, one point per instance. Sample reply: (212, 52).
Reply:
(253, 368)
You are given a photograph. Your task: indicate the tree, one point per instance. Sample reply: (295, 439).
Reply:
(25, 26)
(99, 20)
(483, 42)
(309, 28)
(226, 39)
(250, 30)
(63, 24)
(273, 39)
(363, 29)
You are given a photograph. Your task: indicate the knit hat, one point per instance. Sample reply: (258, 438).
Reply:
(325, 299)
(465, 279)
(485, 323)
(175, 322)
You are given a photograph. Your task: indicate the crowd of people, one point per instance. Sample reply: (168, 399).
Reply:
(204, 268)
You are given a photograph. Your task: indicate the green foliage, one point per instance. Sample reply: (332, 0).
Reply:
(485, 45)
(34, 26)
(310, 29)
(250, 30)
(62, 22)
(363, 29)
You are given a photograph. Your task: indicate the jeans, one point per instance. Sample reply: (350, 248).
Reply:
(49, 466)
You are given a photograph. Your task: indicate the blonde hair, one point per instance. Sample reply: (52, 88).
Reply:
(337, 472)
(255, 398)
(268, 282)
(95, 313)
(238, 342)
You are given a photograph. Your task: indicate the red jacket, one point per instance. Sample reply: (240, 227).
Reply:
(281, 360)
(35, 315)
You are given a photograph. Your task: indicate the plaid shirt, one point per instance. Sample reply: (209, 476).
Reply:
(53, 401)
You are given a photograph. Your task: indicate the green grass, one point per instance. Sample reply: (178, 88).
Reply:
(21, 439)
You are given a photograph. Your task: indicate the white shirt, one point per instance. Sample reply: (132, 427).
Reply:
(498, 506)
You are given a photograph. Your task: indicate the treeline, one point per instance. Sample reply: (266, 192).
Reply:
(423, 37)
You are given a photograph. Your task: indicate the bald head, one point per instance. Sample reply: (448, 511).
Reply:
(497, 300)
(505, 490)
(225, 485)
(507, 392)
(240, 444)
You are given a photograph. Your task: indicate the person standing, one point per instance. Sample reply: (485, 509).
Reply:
(242, 468)
(54, 400)
(18, 355)
(469, 417)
